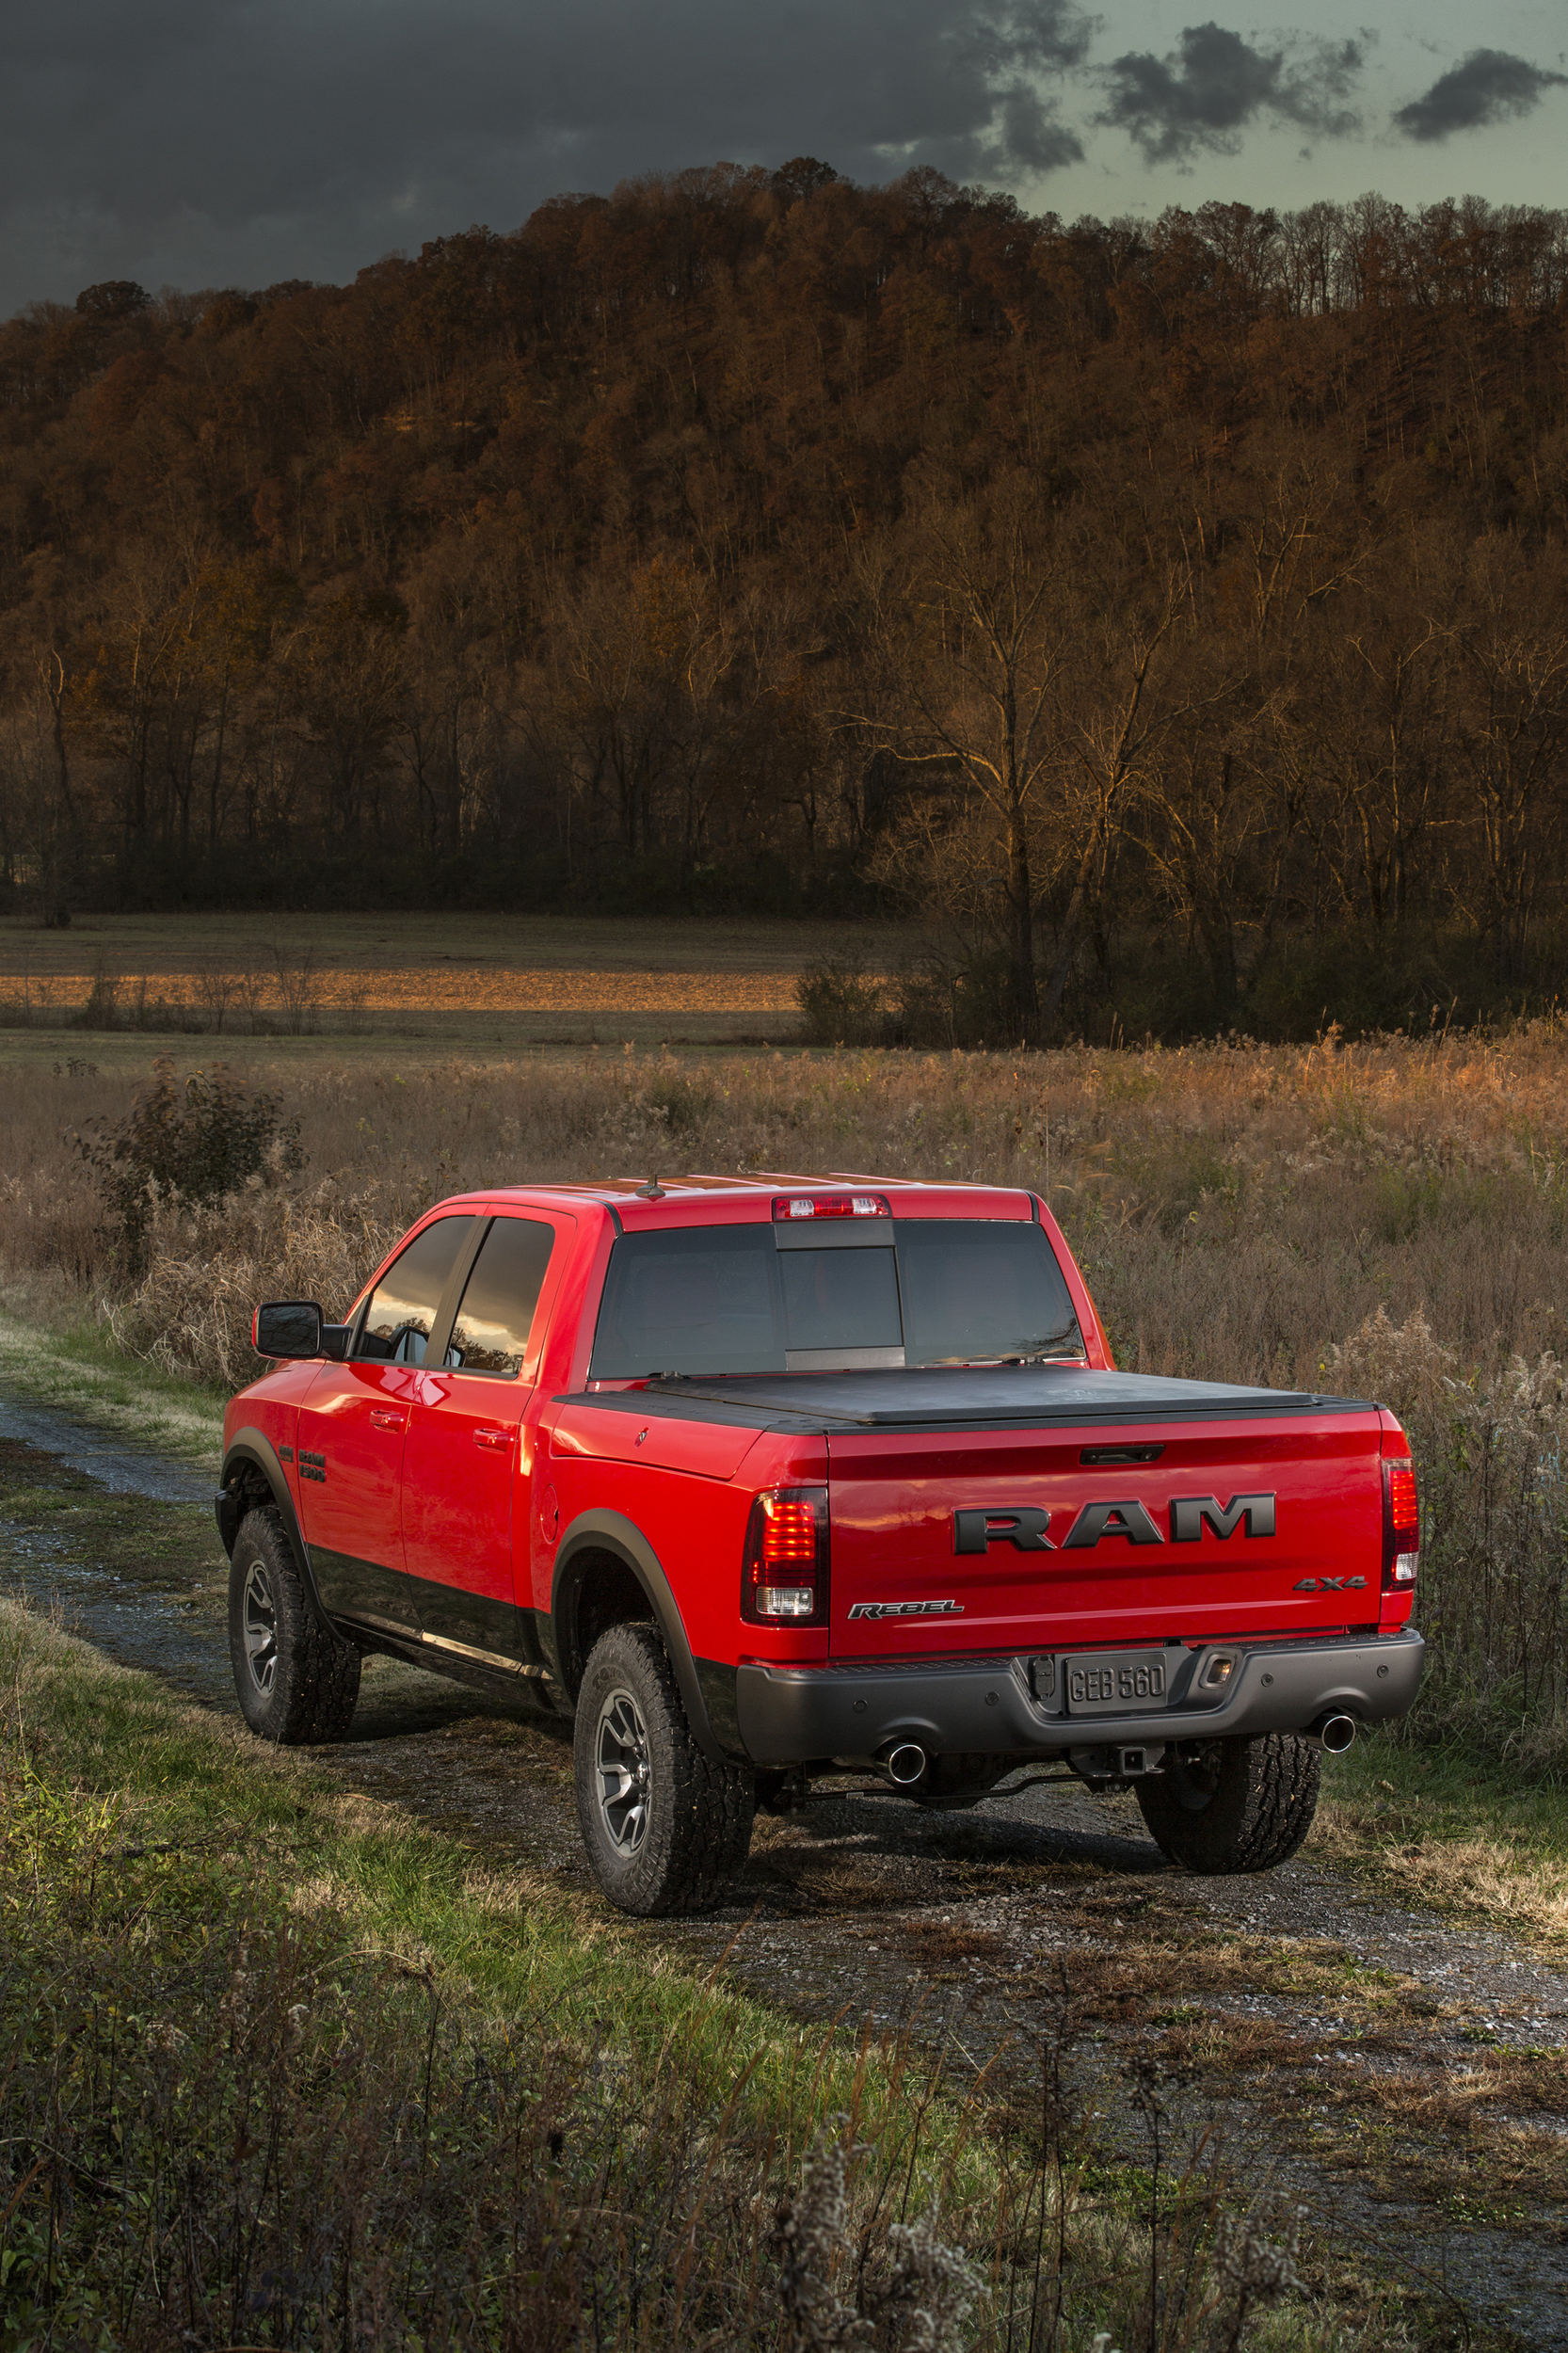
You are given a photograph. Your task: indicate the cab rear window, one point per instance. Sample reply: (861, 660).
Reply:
(710, 1300)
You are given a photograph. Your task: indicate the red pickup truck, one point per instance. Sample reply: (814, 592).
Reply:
(772, 1477)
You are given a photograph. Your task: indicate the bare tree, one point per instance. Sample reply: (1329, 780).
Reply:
(970, 624)
(1512, 729)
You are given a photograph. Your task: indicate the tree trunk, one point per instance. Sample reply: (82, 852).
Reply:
(1025, 995)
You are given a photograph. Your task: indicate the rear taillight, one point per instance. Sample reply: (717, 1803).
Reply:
(1402, 1524)
(784, 1581)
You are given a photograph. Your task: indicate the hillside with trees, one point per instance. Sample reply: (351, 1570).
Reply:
(1175, 614)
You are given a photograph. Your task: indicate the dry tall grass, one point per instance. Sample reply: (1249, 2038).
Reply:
(1277, 1215)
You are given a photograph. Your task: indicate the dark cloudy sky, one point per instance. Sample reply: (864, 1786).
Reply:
(235, 142)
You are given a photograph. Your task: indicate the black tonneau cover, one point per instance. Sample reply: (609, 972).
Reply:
(942, 1397)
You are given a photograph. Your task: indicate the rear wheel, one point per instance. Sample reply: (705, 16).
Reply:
(298, 1682)
(665, 1828)
(1233, 1805)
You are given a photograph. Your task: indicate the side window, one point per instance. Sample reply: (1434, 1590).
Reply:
(402, 1310)
(490, 1335)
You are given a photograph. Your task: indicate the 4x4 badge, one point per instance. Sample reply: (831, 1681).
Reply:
(1329, 1585)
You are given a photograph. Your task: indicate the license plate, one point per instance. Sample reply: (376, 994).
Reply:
(1114, 1682)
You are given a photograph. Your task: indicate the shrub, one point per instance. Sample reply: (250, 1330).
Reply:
(938, 1001)
(839, 1004)
(198, 1141)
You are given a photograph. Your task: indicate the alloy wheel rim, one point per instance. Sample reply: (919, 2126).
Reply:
(622, 1774)
(260, 1621)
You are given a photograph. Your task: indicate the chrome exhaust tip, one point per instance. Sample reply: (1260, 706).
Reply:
(1336, 1733)
(902, 1763)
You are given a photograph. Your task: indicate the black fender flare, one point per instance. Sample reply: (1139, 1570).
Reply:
(612, 1532)
(250, 1446)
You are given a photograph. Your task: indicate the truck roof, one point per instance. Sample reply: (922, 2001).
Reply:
(740, 1199)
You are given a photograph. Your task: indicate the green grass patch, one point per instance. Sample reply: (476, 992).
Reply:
(1446, 1825)
(79, 1367)
(272, 2055)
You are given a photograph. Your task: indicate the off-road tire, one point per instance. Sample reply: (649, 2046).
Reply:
(695, 1826)
(1222, 1806)
(302, 1689)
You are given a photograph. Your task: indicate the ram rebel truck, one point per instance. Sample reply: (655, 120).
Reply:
(763, 1478)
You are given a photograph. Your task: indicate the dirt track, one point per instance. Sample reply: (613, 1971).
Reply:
(1404, 2077)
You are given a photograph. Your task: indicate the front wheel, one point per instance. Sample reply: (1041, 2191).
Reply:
(1233, 1805)
(296, 1681)
(665, 1828)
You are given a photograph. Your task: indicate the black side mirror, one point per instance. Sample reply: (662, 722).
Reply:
(287, 1328)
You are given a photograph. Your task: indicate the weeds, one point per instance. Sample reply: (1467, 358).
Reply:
(1494, 1545)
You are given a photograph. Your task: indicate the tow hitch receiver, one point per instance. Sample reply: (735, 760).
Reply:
(1115, 1764)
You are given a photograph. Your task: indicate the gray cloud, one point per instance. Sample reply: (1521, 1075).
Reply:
(1205, 93)
(237, 141)
(1488, 86)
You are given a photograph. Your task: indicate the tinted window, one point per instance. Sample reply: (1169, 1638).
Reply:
(402, 1309)
(975, 1290)
(839, 1298)
(490, 1335)
(705, 1299)
(724, 1299)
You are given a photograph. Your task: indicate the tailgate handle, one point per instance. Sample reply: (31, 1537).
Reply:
(496, 1440)
(382, 1420)
(1092, 1454)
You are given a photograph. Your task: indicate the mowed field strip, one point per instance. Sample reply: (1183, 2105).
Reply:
(688, 977)
(453, 988)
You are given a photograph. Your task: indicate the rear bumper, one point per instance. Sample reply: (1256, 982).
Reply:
(792, 1715)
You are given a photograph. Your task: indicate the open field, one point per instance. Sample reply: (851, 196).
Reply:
(466, 981)
(1388, 1220)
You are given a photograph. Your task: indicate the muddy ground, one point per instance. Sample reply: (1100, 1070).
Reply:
(1402, 2076)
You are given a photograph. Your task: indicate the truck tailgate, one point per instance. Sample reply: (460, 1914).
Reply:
(1127, 1533)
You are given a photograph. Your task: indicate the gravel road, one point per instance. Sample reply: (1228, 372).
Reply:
(1401, 2075)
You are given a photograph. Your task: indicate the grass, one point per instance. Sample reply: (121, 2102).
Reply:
(276, 2063)
(1447, 1828)
(249, 1840)
(412, 942)
(75, 1366)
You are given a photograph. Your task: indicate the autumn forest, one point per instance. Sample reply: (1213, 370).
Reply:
(1171, 617)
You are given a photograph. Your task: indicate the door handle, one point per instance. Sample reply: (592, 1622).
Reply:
(498, 1441)
(381, 1419)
